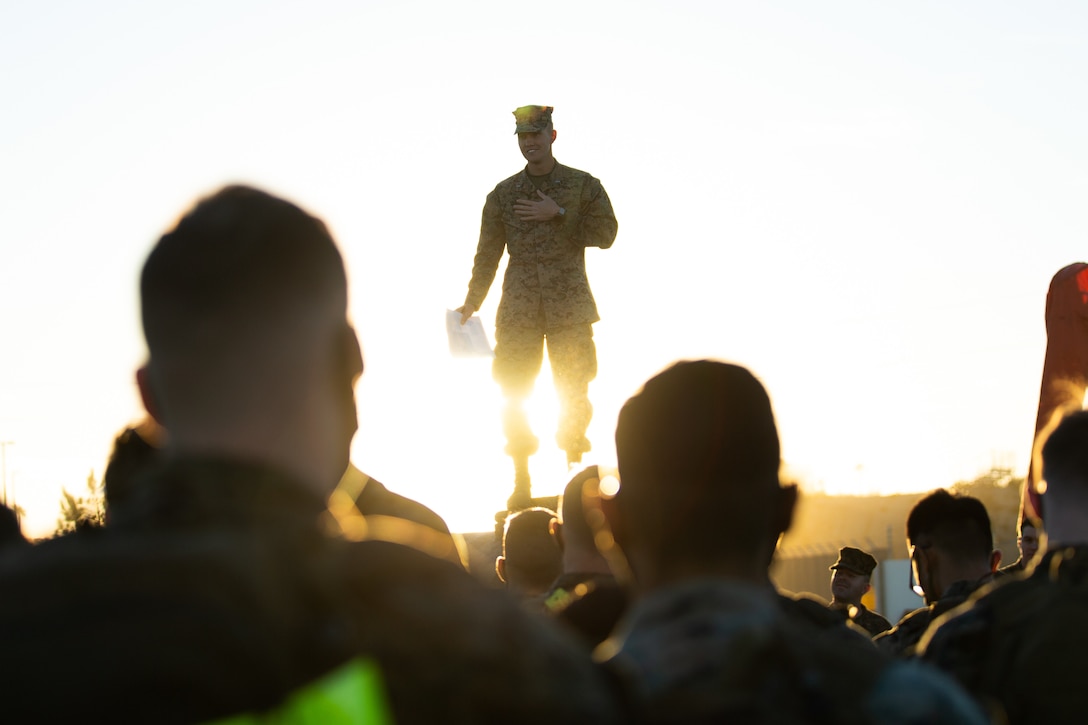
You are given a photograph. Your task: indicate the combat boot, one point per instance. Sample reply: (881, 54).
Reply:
(574, 450)
(522, 498)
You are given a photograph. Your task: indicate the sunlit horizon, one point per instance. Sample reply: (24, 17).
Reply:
(863, 204)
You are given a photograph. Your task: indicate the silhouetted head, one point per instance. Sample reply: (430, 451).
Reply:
(699, 457)
(136, 450)
(244, 306)
(1065, 459)
(11, 533)
(1027, 539)
(530, 559)
(956, 524)
(949, 534)
(1065, 472)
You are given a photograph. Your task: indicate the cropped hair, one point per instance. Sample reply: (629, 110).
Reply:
(136, 450)
(698, 441)
(1065, 454)
(955, 524)
(528, 546)
(240, 259)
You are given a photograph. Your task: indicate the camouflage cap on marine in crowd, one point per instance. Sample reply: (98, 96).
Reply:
(855, 560)
(532, 119)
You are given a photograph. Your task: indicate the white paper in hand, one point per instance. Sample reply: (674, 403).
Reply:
(469, 339)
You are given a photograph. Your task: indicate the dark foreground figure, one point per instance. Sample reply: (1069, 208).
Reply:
(952, 554)
(1021, 647)
(221, 591)
(707, 639)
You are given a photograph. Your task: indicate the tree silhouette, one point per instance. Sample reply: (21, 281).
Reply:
(78, 512)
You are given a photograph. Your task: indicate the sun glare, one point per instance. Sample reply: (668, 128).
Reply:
(814, 266)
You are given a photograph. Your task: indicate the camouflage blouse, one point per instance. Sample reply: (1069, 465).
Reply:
(546, 274)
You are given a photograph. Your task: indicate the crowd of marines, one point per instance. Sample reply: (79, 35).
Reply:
(248, 572)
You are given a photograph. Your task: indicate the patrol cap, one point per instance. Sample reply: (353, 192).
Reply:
(855, 560)
(532, 119)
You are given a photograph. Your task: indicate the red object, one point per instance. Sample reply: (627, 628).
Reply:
(1065, 368)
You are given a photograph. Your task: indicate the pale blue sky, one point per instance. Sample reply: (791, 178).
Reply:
(862, 202)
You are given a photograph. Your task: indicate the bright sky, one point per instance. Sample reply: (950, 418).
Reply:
(862, 202)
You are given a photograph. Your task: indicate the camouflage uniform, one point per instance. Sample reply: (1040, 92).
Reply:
(718, 651)
(545, 296)
(222, 592)
(811, 611)
(1021, 646)
(901, 639)
(869, 620)
(861, 563)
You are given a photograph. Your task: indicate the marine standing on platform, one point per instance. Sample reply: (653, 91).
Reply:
(545, 216)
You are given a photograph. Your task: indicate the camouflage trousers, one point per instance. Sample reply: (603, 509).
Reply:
(519, 355)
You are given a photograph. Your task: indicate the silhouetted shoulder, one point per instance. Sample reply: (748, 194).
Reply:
(814, 612)
(377, 499)
(453, 650)
(569, 172)
(1021, 648)
(241, 623)
(901, 639)
(115, 617)
(681, 658)
(589, 604)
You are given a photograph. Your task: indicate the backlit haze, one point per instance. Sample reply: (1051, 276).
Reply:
(862, 202)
